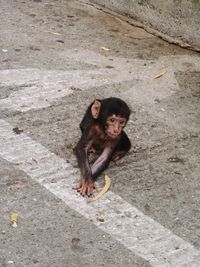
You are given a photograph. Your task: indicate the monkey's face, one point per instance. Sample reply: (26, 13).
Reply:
(114, 126)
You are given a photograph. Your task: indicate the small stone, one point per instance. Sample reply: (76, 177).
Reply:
(100, 219)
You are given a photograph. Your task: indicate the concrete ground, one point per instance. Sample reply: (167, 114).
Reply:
(56, 57)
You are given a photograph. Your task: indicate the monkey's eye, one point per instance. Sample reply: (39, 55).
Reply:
(112, 120)
(122, 123)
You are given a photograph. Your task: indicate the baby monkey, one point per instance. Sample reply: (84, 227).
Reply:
(103, 133)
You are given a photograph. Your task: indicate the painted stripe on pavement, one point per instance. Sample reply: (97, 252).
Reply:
(39, 88)
(136, 231)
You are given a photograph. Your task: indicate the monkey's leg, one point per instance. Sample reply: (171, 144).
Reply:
(122, 148)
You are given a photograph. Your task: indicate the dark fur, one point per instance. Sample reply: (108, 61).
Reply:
(99, 141)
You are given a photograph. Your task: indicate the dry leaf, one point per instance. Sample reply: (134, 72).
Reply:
(105, 48)
(161, 73)
(55, 33)
(74, 88)
(13, 219)
(34, 48)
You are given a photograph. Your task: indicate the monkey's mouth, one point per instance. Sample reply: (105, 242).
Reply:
(111, 135)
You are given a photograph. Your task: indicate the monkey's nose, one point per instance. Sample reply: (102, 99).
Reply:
(116, 130)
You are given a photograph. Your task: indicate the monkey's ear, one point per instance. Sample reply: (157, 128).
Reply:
(95, 109)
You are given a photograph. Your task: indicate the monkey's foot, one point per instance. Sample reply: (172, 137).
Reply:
(85, 189)
(118, 156)
(73, 147)
(92, 150)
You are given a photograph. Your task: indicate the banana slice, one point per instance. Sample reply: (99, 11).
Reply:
(104, 189)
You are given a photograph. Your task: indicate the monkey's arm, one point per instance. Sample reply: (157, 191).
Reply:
(86, 185)
(81, 152)
(102, 162)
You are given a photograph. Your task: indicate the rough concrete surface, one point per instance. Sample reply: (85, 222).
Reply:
(175, 21)
(56, 57)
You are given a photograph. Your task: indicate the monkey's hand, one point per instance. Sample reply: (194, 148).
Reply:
(85, 188)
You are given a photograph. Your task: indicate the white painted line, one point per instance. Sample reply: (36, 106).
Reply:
(136, 231)
(145, 89)
(40, 87)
